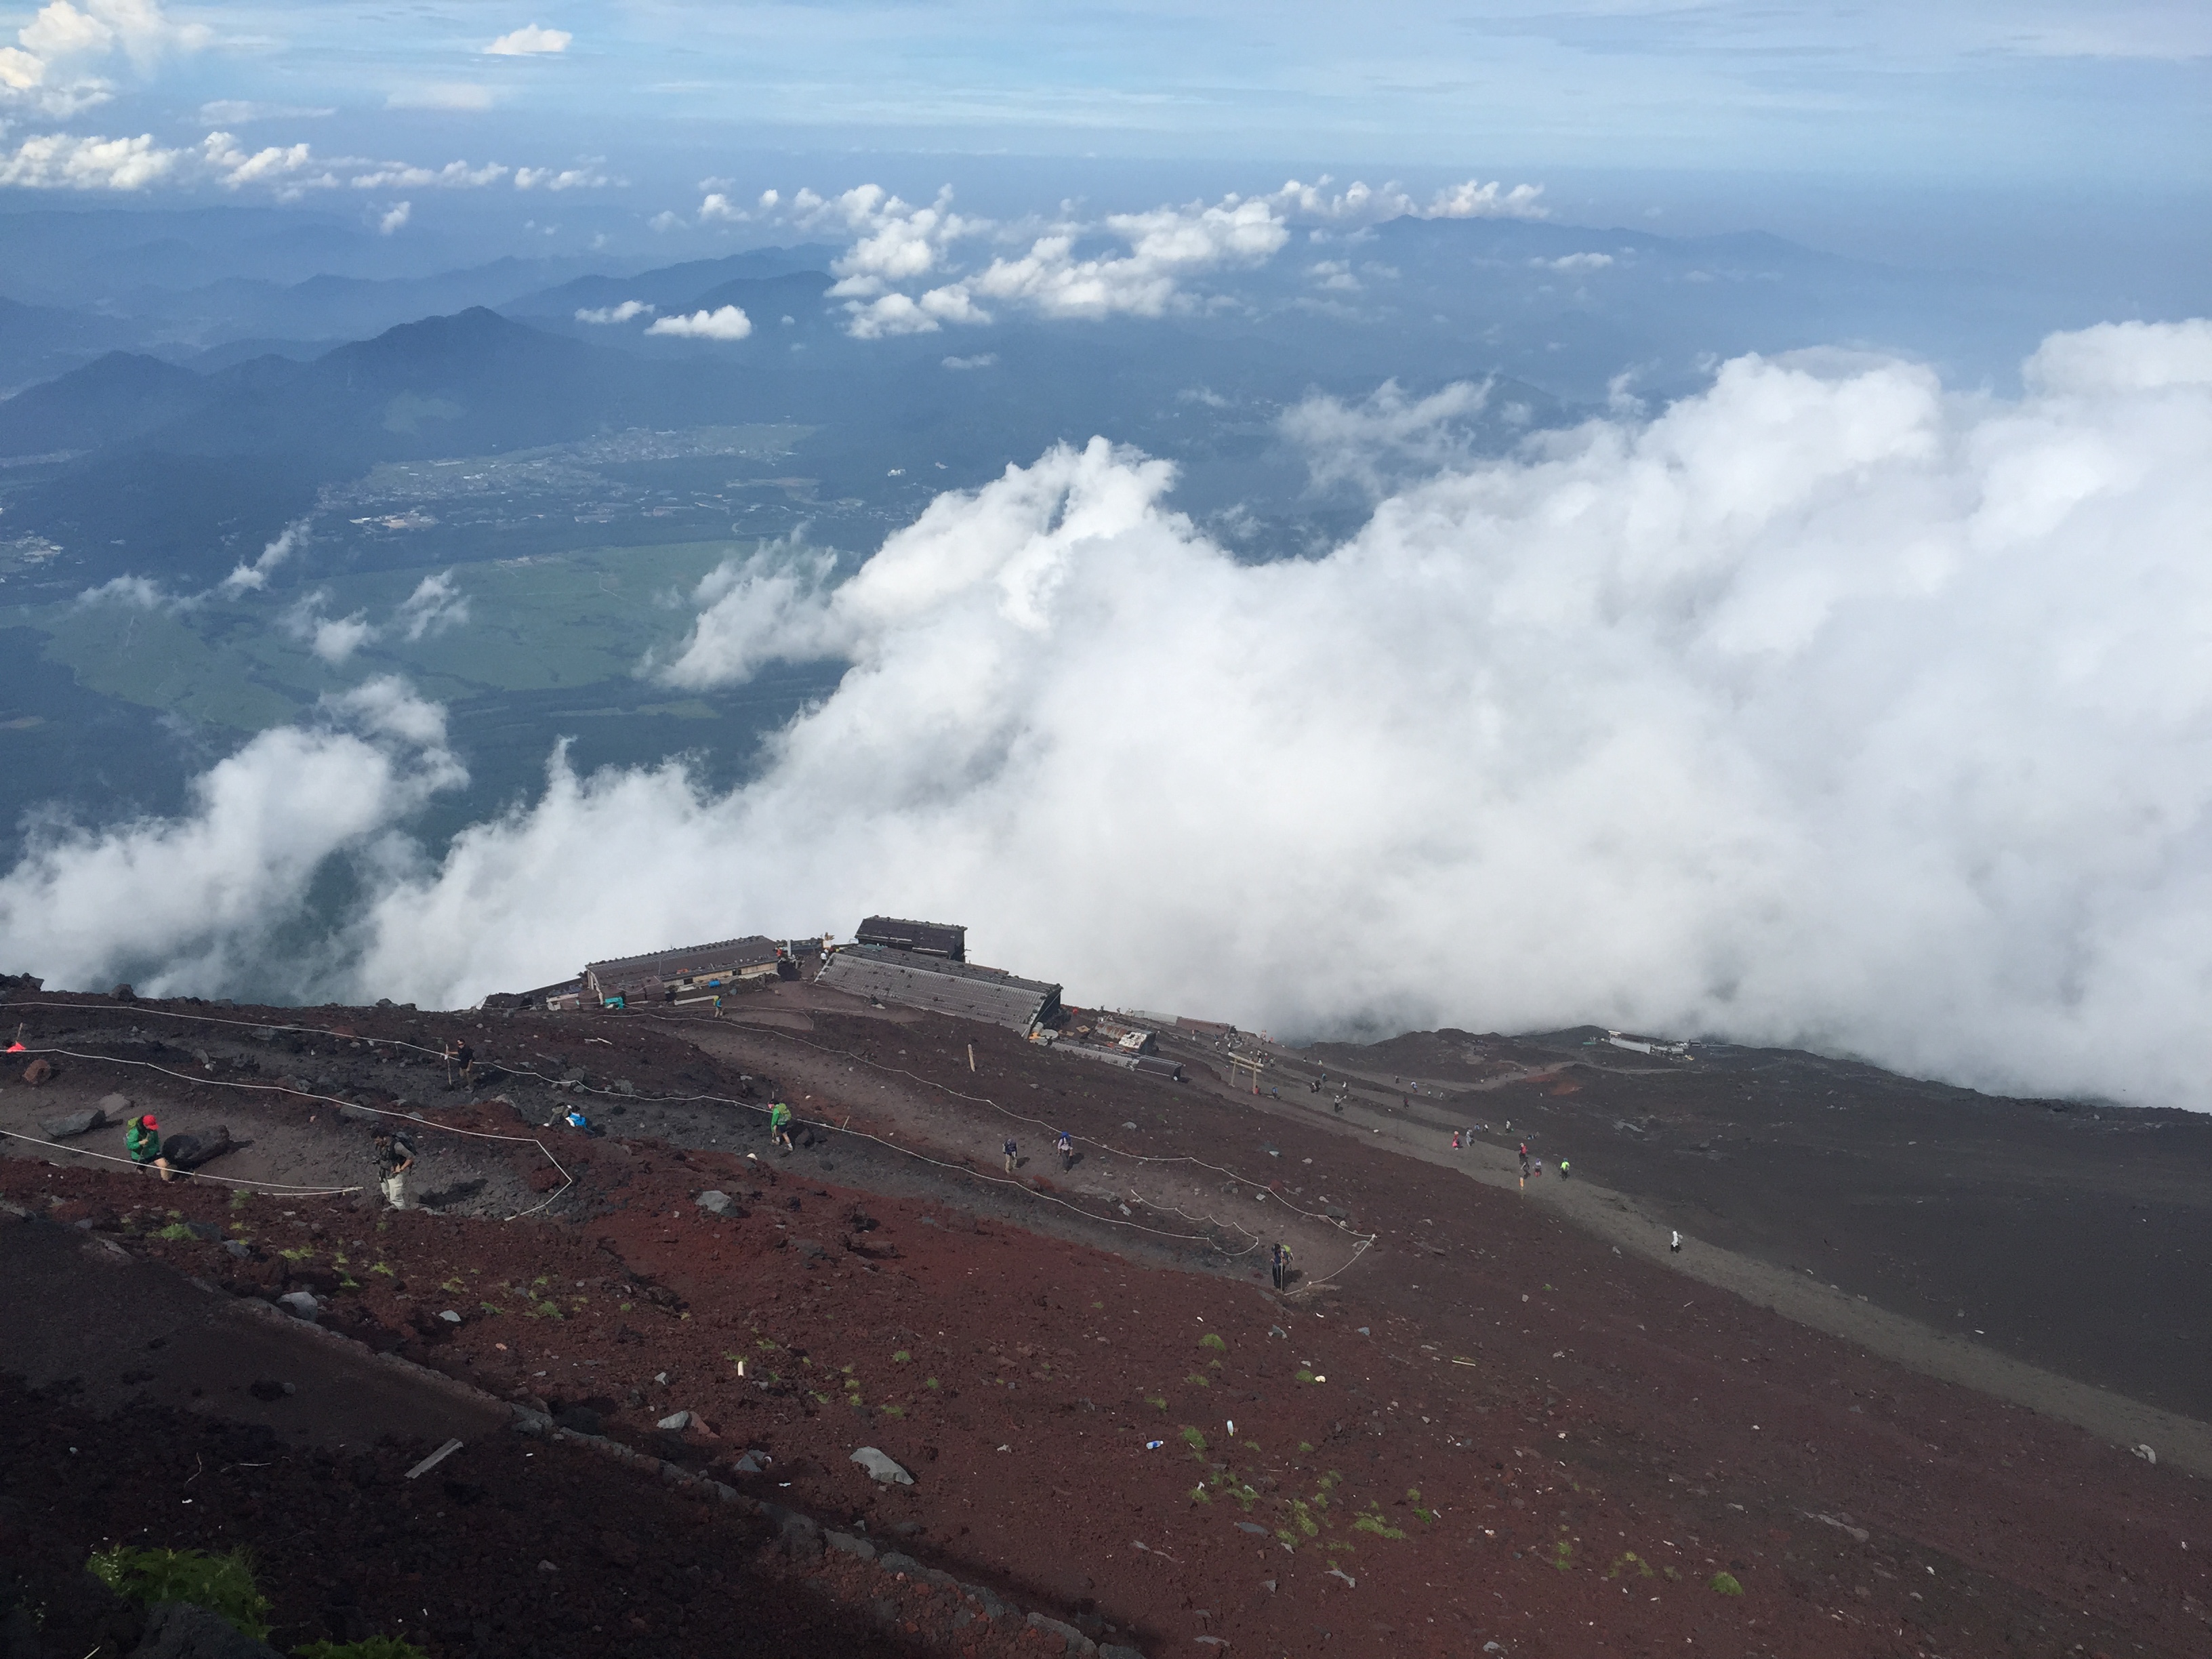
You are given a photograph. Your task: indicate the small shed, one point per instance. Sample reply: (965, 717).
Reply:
(916, 980)
(929, 938)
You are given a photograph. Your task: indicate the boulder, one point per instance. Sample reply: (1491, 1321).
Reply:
(301, 1303)
(118, 1107)
(715, 1203)
(677, 1420)
(881, 1468)
(75, 1123)
(40, 1071)
(177, 1630)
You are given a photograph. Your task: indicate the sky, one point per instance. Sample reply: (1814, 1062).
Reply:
(633, 102)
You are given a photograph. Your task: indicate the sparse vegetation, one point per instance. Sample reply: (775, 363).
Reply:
(376, 1647)
(224, 1584)
(1193, 1438)
(1725, 1583)
(1210, 1340)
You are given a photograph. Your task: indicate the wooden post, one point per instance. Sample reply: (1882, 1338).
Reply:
(971, 1056)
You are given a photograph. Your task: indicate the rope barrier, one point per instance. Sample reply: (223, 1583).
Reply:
(1362, 1242)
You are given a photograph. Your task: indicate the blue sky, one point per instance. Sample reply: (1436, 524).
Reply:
(1962, 90)
(1888, 124)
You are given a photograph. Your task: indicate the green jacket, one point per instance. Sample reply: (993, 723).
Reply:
(143, 1145)
(779, 1114)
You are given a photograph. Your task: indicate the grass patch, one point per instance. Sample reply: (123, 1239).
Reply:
(1157, 1402)
(1200, 1378)
(1193, 1439)
(546, 1310)
(224, 1584)
(176, 1232)
(1210, 1340)
(890, 1411)
(901, 1357)
(929, 1382)
(1725, 1583)
(1304, 1375)
(1378, 1525)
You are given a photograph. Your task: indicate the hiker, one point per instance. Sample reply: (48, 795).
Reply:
(779, 1126)
(1563, 1169)
(1281, 1264)
(717, 1007)
(1066, 1151)
(395, 1157)
(142, 1138)
(1456, 1140)
(458, 1053)
(576, 1120)
(1012, 1154)
(1676, 1246)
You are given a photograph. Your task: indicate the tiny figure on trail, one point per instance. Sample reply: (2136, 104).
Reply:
(1456, 1140)
(1281, 1263)
(1563, 1169)
(1676, 1247)
(1524, 1163)
(1066, 1151)
(779, 1126)
(142, 1138)
(1013, 1154)
(459, 1055)
(717, 1007)
(395, 1157)
(576, 1120)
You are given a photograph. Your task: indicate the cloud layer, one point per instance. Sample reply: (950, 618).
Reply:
(1828, 706)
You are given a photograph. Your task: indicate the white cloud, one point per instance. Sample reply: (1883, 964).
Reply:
(621, 314)
(252, 578)
(1388, 439)
(441, 95)
(531, 40)
(1826, 706)
(436, 605)
(982, 360)
(454, 175)
(1359, 204)
(45, 72)
(727, 323)
(394, 218)
(57, 161)
(584, 177)
(1575, 262)
(242, 111)
(190, 902)
(901, 247)
(1165, 246)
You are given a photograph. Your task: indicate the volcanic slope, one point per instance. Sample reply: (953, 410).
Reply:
(1468, 1422)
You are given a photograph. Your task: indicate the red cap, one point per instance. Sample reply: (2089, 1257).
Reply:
(148, 1121)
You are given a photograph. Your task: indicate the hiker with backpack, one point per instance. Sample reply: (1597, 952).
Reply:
(142, 1138)
(395, 1157)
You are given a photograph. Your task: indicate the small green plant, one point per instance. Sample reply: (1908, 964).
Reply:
(1305, 1446)
(1631, 1563)
(487, 1308)
(379, 1268)
(1563, 1555)
(901, 1357)
(1210, 1340)
(240, 1197)
(453, 1285)
(766, 1345)
(1304, 1375)
(297, 1253)
(1200, 1378)
(1378, 1525)
(1199, 1494)
(547, 1310)
(929, 1382)
(176, 1232)
(224, 1584)
(1193, 1439)
(1157, 1402)
(890, 1411)
(1725, 1583)
(377, 1647)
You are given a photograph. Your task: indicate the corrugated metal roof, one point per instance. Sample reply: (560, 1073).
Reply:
(937, 939)
(722, 956)
(943, 987)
